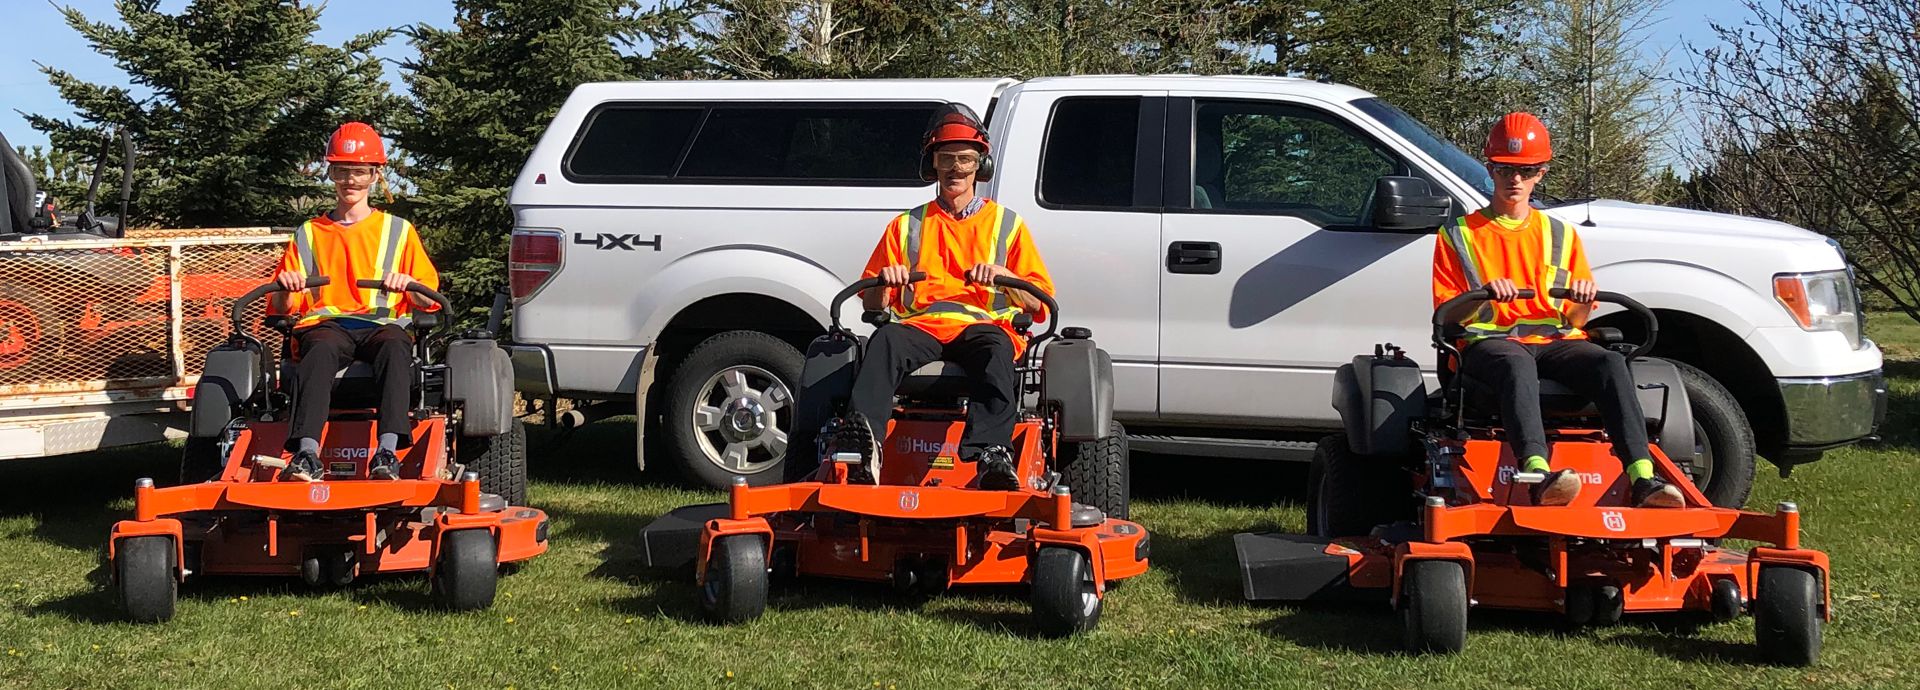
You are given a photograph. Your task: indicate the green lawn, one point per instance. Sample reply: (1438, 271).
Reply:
(585, 615)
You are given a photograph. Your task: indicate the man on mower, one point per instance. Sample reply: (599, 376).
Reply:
(1512, 342)
(962, 242)
(340, 323)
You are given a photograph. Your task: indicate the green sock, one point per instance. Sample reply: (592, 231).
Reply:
(1640, 469)
(1536, 464)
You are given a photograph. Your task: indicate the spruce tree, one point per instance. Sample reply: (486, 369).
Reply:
(483, 92)
(242, 101)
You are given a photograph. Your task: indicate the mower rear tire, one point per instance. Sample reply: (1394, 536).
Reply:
(730, 409)
(1099, 473)
(467, 572)
(145, 576)
(1786, 616)
(735, 590)
(200, 460)
(501, 461)
(1064, 598)
(1349, 493)
(1433, 607)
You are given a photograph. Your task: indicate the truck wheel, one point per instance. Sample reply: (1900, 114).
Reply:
(501, 461)
(730, 408)
(1350, 494)
(1098, 473)
(467, 571)
(29, 331)
(1064, 600)
(144, 578)
(1722, 439)
(1786, 616)
(1433, 607)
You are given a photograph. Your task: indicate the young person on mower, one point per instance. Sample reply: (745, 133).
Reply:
(962, 242)
(1512, 342)
(340, 323)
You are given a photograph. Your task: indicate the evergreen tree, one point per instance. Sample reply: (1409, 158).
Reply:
(484, 91)
(241, 99)
(1600, 97)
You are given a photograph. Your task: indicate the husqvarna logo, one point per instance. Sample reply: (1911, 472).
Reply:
(909, 500)
(1505, 475)
(350, 453)
(319, 493)
(1614, 521)
(350, 146)
(919, 445)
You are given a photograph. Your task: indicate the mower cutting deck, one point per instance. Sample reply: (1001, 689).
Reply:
(922, 526)
(1421, 504)
(438, 517)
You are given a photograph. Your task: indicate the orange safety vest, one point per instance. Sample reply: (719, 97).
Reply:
(1541, 255)
(380, 244)
(928, 239)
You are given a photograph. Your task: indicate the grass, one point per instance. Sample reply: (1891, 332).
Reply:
(584, 615)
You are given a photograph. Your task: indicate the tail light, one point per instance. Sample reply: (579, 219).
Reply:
(532, 260)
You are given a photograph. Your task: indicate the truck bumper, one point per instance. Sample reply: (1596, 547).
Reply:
(1831, 411)
(532, 369)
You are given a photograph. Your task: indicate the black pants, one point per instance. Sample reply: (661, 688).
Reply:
(1513, 371)
(985, 351)
(327, 348)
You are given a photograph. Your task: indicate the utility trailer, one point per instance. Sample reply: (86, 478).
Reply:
(102, 338)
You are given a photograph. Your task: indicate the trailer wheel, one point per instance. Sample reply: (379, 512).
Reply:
(467, 571)
(144, 572)
(1433, 607)
(1064, 600)
(1786, 616)
(735, 590)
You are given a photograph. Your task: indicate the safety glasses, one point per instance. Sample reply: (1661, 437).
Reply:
(958, 161)
(349, 173)
(1524, 171)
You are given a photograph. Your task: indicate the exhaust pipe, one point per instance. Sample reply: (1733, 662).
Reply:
(582, 416)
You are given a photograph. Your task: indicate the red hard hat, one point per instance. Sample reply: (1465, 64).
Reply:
(356, 142)
(1518, 139)
(956, 123)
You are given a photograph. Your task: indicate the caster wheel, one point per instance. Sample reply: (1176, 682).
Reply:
(736, 579)
(1727, 602)
(144, 577)
(1786, 616)
(1433, 607)
(1609, 603)
(467, 571)
(1064, 600)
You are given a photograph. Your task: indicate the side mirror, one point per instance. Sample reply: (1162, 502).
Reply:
(1407, 203)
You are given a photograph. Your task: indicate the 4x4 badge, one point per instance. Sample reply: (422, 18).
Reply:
(606, 240)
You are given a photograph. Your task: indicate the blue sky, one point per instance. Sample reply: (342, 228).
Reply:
(38, 33)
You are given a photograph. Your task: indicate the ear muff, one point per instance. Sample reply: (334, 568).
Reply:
(928, 174)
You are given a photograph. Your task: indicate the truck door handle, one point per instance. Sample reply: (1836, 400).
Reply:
(1202, 258)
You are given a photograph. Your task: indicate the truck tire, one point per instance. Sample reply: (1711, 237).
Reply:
(1098, 475)
(1722, 437)
(1351, 493)
(730, 409)
(501, 461)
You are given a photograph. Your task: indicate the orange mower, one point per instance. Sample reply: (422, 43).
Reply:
(1421, 501)
(454, 512)
(921, 525)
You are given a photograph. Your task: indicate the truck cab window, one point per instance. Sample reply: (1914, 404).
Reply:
(1090, 153)
(1266, 158)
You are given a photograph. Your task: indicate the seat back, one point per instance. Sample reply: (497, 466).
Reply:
(938, 383)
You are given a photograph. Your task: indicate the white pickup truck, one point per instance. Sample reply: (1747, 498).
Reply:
(1230, 240)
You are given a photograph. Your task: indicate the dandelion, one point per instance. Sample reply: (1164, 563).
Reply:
(96, 648)
(553, 667)
(243, 598)
(509, 620)
(294, 613)
(629, 621)
(729, 674)
(363, 607)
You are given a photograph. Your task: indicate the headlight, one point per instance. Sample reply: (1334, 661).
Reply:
(1821, 301)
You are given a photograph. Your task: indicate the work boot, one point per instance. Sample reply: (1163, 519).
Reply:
(385, 465)
(854, 435)
(995, 469)
(304, 466)
(1558, 489)
(1653, 492)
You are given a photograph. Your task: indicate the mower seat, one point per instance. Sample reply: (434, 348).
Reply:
(937, 381)
(1556, 400)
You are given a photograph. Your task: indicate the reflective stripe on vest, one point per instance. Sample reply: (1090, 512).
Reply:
(1005, 224)
(1556, 240)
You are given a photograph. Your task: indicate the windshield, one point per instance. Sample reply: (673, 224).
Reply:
(1462, 165)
